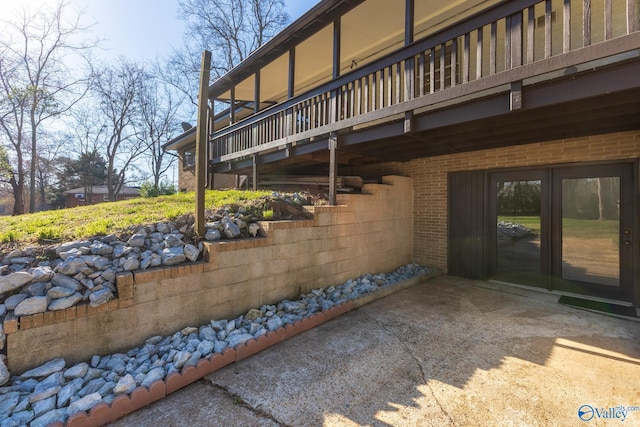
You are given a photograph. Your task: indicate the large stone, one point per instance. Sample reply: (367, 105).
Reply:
(173, 256)
(191, 252)
(64, 303)
(66, 281)
(236, 340)
(31, 306)
(76, 371)
(163, 227)
(125, 385)
(85, 403)
(99, 248)
(8, 402)
(100, 297)
(71, 266)
(58, 415)
(43, 406)
(173, 240)
(212, 235)
(60, 292)
(5, 375)
(152, 376)
(254, 229)
(14, 281)
(69, 390)
(11, 302)
(55, 365)
(137, 240)
(41, 273)
(231, 230)
(18, 419)
(274, 323)
(71, 253)
(44, 390)
(71, 245)
(132, 263)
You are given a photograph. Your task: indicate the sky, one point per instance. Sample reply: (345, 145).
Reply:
(137, 29)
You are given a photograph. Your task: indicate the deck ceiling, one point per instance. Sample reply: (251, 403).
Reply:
(368, 32)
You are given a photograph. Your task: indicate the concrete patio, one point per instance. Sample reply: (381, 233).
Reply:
(448, 351)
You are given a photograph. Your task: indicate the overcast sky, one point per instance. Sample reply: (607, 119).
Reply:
(137, 29)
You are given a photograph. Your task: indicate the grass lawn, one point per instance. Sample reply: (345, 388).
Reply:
(582, 228)
(107, 218)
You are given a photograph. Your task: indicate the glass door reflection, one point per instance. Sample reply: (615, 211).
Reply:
(591, 230)
(518, 231)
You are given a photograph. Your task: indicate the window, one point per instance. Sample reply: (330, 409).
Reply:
(188, 160)
(79, 196)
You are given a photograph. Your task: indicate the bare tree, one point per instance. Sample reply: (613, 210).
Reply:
(37, 84)
(118, 89)
(158, 111)
(231, 29)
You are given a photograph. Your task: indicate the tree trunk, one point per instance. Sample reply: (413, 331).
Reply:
(34, 164)
(18, 197)
(600, 204)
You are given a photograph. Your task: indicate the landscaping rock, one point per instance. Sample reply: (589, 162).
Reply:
(5, 375)
(71, 266)
(66, 281)
(45, 370)
(31, 306)
(11, 302)
(173, 256)
(64, 303)
(212, 235)
(100, 297)
(14, 281)
(125, 385)
(137, 240)
(191, 252)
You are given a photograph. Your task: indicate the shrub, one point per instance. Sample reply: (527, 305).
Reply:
(147, 189)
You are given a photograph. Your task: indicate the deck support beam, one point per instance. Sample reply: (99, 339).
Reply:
(201, 141)
(409, 17)
(515, 96)
(254, 164)
(333, 168)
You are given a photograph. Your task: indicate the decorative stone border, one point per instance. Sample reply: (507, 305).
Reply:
(122, 405)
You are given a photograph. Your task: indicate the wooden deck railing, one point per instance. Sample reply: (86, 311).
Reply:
(477, 54)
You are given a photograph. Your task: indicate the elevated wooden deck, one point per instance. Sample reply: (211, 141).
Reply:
(518, 72)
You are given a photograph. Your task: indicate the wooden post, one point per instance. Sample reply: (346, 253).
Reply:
(202, 141)
(255, 172)
(333, 168)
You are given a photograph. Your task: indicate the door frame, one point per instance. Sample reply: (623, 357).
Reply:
(630, 263)
(624, 292)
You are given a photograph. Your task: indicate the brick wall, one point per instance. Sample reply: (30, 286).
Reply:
(430, 178)
(364, 234)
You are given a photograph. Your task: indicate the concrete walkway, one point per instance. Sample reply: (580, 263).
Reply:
(446, 352)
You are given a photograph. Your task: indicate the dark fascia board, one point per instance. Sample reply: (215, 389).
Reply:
(322, 14)
(185, 139)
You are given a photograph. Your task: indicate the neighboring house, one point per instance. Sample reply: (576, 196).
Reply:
(523, 111)
(99, 194)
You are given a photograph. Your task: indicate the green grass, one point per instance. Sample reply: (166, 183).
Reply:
(594, 229)
(572, 227)
(106, 218)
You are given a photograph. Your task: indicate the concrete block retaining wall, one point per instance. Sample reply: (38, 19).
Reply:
(366, 233)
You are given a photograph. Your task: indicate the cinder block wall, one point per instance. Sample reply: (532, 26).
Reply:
(430, 178)
(365, 234)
